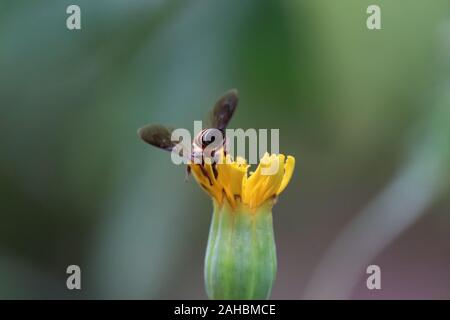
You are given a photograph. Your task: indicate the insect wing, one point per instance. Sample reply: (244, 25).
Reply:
(224, 109)
(158, 136)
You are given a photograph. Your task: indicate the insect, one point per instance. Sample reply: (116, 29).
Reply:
(160, 136)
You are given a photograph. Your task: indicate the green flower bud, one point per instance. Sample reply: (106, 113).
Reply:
(240, 260)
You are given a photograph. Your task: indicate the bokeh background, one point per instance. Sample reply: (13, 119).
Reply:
(365, 113)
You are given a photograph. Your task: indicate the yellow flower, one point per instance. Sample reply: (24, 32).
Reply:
(240, 260)
(229, 180)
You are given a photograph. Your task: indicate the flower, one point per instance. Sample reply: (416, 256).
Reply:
(240, 261)
(228, 180)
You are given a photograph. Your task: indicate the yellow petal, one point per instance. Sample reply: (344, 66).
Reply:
(251, 185)
(263, 185)
(288, 171)
(231, 176)
(274, 182)
(205, 178)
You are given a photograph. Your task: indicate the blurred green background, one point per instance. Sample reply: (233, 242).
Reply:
(365, 113)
